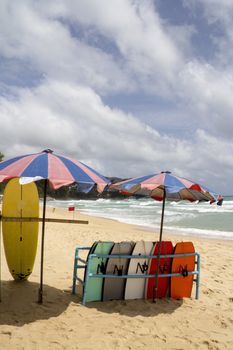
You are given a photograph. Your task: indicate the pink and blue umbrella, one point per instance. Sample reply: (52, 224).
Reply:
(161, 187)
(57, 171)
(165, 185)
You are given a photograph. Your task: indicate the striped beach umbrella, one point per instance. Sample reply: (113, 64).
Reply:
(56, 171)
(161, 187)
(165, 186)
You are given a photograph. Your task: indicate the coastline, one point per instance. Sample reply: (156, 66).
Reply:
(171, 233)
(62, 322)
(188, 219)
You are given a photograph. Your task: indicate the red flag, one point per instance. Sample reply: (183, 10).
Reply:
(71, 208)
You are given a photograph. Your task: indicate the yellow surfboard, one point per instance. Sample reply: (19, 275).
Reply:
(20, 238)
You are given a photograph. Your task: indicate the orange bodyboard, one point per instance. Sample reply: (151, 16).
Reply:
(181, 287)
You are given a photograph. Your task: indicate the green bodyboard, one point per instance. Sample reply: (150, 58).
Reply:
(93, 287)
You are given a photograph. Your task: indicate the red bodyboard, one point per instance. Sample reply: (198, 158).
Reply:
(164, 268)
(181, 287)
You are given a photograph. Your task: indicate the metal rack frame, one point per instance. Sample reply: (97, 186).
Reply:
(86, 264)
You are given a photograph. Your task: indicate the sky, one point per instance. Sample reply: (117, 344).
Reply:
(129, 87)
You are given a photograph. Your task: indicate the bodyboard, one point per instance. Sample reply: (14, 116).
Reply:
(181, 287)
(114, 289)
(20, 238)
(85, 271)
(135, 288)
(164, 268)
(93, 287)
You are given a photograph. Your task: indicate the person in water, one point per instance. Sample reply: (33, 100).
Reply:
(220, 200)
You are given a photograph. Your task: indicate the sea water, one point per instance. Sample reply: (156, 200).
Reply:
(200, 219)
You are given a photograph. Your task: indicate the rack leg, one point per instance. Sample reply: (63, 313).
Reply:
(75, 270)
(86, 281)
(198, 276)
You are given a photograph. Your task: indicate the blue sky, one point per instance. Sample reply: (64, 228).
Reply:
(130, 87)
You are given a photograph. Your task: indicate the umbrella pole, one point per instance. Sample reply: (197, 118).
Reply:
(159, 250)
(40, 296)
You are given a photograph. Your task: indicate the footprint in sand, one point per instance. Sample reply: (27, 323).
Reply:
(208, 291)
(7, 334)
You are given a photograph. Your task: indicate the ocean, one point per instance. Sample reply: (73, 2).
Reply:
(197, 219)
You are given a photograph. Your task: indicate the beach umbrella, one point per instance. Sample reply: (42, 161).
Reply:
(162, 187)
(56, 171)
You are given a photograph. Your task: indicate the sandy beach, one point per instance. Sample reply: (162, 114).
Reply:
(62, 322)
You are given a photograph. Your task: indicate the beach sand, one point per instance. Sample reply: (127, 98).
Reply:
(62, 322)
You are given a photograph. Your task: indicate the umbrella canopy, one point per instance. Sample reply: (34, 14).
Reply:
(165, 184)
(161, 187)
(57, 171)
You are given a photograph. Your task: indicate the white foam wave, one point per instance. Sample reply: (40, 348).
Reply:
(147, 213)
(202, 233)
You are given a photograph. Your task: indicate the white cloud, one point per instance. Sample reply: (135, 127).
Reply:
(215, 10)
(40, 34)
(136, 29)
(48, 45)
(218, 15)
(122, 46)
(208, 93)
(73, 120)
(74, 117)
(133, 25)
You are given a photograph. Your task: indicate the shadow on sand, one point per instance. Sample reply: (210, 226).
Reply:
(132, 308)
(20, 306)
